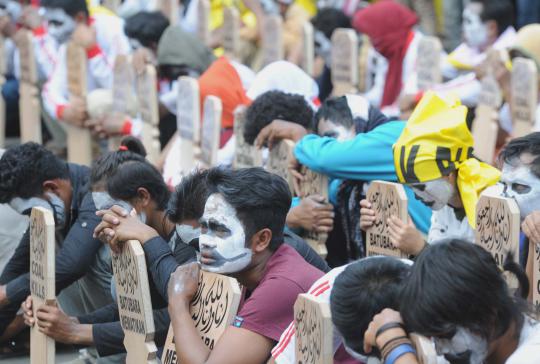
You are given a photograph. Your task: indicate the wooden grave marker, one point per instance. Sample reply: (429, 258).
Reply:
(498, 227)
(123, 92)
(425, 349)
(364, 57)
(134, 303)
(213, 309)
(524, 96)
(387, 199)
(534, 250)
(79, 140)
(231, 33)
(42, 280)
(171, 10)
(278, 160)
(211, 130)
(344, 61)
(485, 126)
(272, 39)
(29, 105)
(148, 111)
(203, 21)
(315, 184)
(188, 122)
(308, 48)
(429, 63)
(314, 330)
(245, 155)
(3, 70)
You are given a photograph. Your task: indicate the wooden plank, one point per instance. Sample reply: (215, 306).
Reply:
(425, 349)
(308, 48)
(203, 21)
(42, 280)
(278, 161)
(29, 105)
(485, 127)
(231, 33)
(498, 227)
(315, 184)
(134, 303)
(245, 155)
(146, 86)
(123, 92)
(344, 61)
(534, 249)
(364, 52)
(188, 122)
(524, 95)
(429, 63)
(314, 330)
(211, 130)
(79, 140)
(213, 309)
(387, 199)
(272, 39)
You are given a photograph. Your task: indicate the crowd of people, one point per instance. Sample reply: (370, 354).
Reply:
(251, 224)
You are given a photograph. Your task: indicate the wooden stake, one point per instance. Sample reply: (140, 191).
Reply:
(211, 130)
(344, 61)
(246, 156)
(524, 95)
(148, 110)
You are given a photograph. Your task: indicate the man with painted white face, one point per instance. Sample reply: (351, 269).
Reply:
(242, 236)
(434, 156)
(101, 35)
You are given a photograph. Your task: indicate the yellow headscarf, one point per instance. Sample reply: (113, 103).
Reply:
(437, 141)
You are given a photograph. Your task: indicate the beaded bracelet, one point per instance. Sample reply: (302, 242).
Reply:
(399, 351)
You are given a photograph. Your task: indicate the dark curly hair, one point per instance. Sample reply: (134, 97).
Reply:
(24, 168)
(276, 105)
(147, 27)
(529, 143)
(189, 197)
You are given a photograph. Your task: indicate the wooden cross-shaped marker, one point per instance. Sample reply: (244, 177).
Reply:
(425, 349)
(146, 82)
(134, 303)
(272, 39)
(313, 330)
(245, 155)
(524, 99)
(387, 199)
(308, 48)
(79, 140)
(213, 310)
(188, 122)
(171, 10)
(344, 61)
(123, 92)
(278, 160)
(42, 280)
(211, 130)
(231, 33)
(203, 21)
(429, 63)
(315, 184)
(29, 106)
(2, 102)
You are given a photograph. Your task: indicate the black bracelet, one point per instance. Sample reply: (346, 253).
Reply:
(388, 326)
(393, 340)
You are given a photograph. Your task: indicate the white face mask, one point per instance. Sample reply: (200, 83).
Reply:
(59, 24)
(474, 31)
(464, 344)
(135, 44)
(13, 9)
(53, 203)
(187, 233)
(435, 194)
(521, 185)
(223, 238)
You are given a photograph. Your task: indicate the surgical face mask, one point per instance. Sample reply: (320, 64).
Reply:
(464, 347)
(53, 203)
(475, 32)
(222, 238)
(13, 9)
(59, 24)
(187, 233)
(521, 185)
(435, 194)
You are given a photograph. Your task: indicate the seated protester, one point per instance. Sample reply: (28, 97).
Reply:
(366, 157)
(356, 292)
(241, 235)
(495, 326)
(31, 176)
(133, 184)
(103, 38)
(434, 156)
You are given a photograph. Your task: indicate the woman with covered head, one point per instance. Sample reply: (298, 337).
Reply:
(434, 156)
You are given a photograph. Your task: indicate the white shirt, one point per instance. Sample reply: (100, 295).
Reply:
(445, 225)
(528, 350)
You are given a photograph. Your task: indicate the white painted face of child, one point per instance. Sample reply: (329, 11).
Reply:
(222, 242)
(435, 194)
(521, 184)
(60, 25)
(475, 32)
(463, 347)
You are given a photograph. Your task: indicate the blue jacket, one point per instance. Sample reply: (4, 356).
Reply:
(367, 157)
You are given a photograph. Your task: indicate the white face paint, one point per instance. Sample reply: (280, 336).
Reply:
(187, 233)
(435, 194)
(53, 203)
(475, 31)
(464, 344)
(59, 24)
(135, 44)
(13, 9)
(223, 241)
(521, 185)
(341, 133)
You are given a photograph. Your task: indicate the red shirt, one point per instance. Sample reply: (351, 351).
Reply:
(270, 307)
